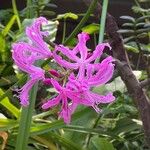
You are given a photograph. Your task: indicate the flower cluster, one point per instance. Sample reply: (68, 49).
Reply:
(84, 73)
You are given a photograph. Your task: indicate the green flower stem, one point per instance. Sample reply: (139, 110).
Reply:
(82, 22)
(64, 31)
(25, 121)
(16, 13)
(102, 23)
(30, 12)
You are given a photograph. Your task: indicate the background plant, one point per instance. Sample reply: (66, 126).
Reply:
(119, 125)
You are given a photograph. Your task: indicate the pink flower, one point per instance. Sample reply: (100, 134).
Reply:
(78, 57)
(64, 95)
(77, 91)
(85, 96)
(73, 94)
(101, 73)
(25, 59)
(25, 55)
(36, 36)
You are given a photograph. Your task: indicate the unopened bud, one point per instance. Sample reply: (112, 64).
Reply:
(47, 81)
(54, 73)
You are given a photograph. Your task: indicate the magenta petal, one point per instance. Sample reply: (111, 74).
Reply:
(109, 98)
(73, 107)
(81, 72)
(90, 101)
(24, 94)
(56, 85)
(97, 52)
(90, 68)
(53, 102)
(102, 78)
(66, 115)
(65, 111)
(64, 63)
(36, 36)
(67, 52)
(104, 74)
(22, 61)
(83, 37)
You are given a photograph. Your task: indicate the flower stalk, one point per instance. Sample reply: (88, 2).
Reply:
(103, 21)
(25, 122)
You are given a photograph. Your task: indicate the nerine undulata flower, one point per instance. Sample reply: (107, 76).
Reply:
(25, 55)
(25, 61)
(78, 56)
(64, 96)
(78, 88)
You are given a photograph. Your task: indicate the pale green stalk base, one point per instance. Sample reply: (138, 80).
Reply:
(102, 23)
(25, 121)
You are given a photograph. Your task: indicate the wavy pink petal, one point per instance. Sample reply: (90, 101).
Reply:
(51, 103)
(63, 62)
(82, 38)
(98, 52)
(24, 91)
(109, 98)
(105, 73)
(36, 36)
(67, 52)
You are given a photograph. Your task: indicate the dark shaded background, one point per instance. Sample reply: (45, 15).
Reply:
(116, 8)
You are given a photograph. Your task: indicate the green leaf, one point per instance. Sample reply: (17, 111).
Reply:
(138, 9)
(15, 10)
(131, 48)
(51, 28)
(126, 125)
(6, 124)
(9, 106)
(43, 128)
(98, 143)
(68, 144)
(48, 13)
(9, 25)
(7, 80)
(2, 43)
(143, 18)
(147, 25)
(141, 24)
(67, 15)
(81, 129)
(128, 25)
(129, 18)
(128, 39)
(125, 31)
(143, 30)
(145, 47)
(91, 28)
